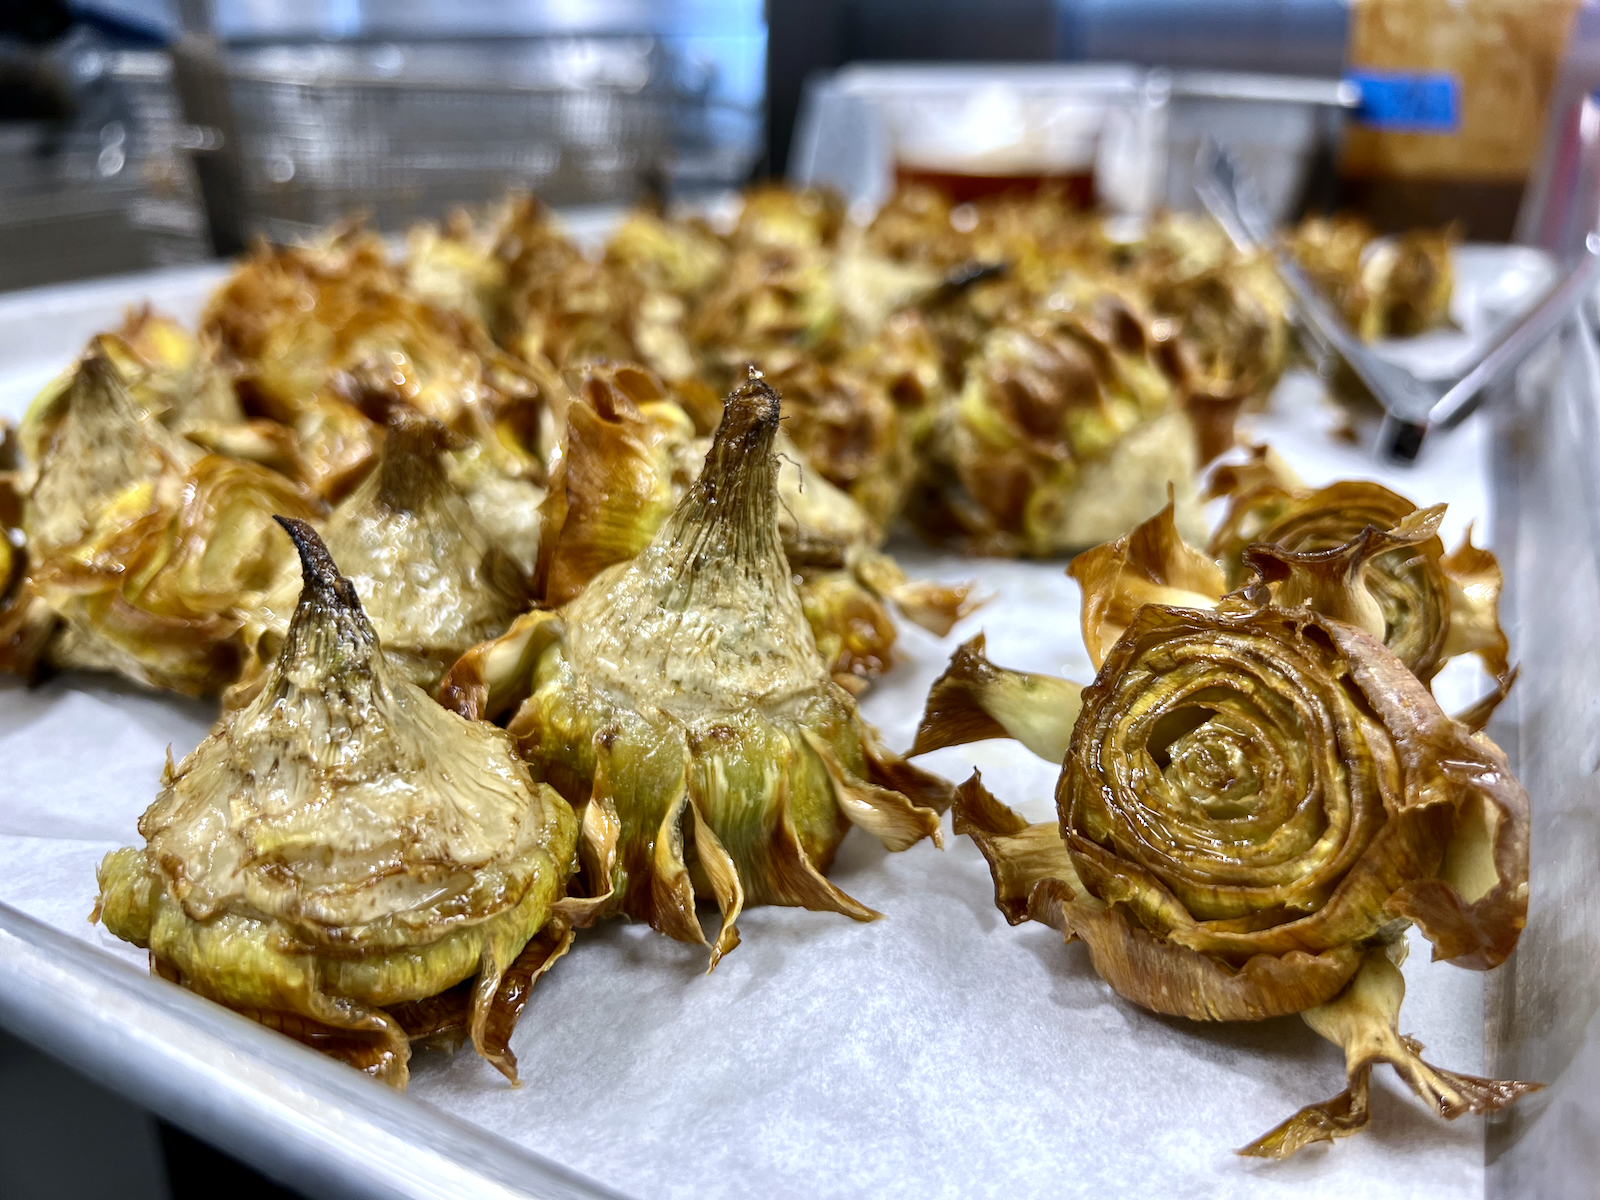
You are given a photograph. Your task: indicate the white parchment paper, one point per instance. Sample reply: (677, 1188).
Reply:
(937, 1052)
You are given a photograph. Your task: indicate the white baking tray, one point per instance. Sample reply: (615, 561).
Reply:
(937, 1052)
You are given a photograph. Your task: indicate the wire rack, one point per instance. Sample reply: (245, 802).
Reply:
(406, 132)
(108, 191)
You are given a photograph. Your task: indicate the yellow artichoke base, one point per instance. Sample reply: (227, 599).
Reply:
(366, 1009)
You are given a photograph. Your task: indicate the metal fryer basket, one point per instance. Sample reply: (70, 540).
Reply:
(407, 131)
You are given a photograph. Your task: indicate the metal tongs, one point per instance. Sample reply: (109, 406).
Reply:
(1413, 407)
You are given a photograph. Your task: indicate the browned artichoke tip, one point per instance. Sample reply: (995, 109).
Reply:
(411, 471)
(1253, 803)
(743, 444)
(325, 594)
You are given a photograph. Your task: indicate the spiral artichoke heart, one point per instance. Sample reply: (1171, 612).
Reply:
(335, 858)
(682, 698)
(1254, 801)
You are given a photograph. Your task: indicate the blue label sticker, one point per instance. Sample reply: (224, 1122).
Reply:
(1409, 101)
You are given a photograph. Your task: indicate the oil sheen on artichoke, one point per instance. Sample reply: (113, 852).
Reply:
(681, 697)
(346, 861)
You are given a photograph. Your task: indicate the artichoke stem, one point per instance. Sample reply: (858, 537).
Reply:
(317, 569)
(1363, 1021)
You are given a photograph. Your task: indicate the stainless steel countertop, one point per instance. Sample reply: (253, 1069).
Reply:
(301, 1118)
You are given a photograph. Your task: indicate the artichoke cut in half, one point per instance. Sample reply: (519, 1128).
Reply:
(346, 861)
(681, 699)
(433, 582)
(1254, 803)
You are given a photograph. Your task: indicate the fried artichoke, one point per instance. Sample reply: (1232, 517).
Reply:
(143, 552)
(1383, 287)
(682, 700)
(1254, 802)
(322, 332)
(1229, 312)
(1068, 431)
(849, 432)
(432, 581)
(182, 382)
(347, 862)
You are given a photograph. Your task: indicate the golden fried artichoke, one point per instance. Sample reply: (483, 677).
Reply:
(432, 581)
(323, 332)
(682, 699)
(143, 552)
(1383, 287)
(1068, 431)
(180, 380)
(1254, 802)
(458, 267)
(849, 432)
(629, 457)
(684, 257)
(1229, 312)
(347, 862)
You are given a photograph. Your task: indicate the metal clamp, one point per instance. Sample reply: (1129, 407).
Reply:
(1412, 407)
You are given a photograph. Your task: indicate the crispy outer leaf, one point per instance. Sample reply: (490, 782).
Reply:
(1150, 565)
(974, 700)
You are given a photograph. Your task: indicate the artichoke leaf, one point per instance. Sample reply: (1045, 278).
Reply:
(1021, 856)
(496, 676)
(722, 874)
(935, 607)
(1475, 585)
(621, 471)
(1260, 468)
(888, 815)
(1167, 978)
(1150, 565)
(974, 700)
